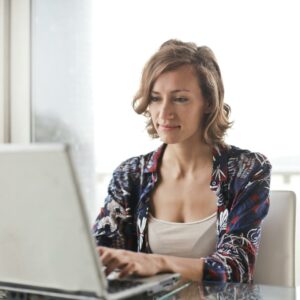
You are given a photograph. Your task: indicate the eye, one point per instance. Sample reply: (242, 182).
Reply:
(154, 98)
(180, 99)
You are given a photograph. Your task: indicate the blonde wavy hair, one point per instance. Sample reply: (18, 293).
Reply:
(173, 54)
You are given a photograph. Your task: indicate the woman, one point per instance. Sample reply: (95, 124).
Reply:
(195, 205)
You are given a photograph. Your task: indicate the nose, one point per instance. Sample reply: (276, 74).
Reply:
(166, 111)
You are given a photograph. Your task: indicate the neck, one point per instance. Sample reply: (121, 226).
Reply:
(184, 159)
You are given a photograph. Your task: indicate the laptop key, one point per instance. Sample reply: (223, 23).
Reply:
(116, 285)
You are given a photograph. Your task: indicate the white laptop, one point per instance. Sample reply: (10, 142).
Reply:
(46, 245)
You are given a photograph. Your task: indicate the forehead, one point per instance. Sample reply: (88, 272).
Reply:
(183, 77)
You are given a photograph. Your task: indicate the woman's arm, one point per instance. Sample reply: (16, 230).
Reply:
(189, 268)
(143, 264)
(240, 220)
(114, 224)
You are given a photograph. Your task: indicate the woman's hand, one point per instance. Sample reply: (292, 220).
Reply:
(143, 264)
(129, 262)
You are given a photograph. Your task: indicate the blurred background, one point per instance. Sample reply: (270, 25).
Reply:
(70, 68)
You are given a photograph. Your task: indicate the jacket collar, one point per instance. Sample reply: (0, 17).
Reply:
(220, 167)
(151, 165)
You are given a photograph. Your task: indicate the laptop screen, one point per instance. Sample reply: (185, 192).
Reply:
(44, 231)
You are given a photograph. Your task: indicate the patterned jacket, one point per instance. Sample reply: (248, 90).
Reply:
(241, 181)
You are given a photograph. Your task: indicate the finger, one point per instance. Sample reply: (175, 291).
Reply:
(112, 265)
(113, 259)
(128, 270)
(102, 249)
(108, 255)
(115, 265)
(107, 259)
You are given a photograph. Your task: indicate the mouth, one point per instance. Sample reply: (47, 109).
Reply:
(168, 127)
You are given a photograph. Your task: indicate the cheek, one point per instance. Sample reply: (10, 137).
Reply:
(195, 118)
(151, 111)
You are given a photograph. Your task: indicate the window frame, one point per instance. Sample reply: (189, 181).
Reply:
(15, 71)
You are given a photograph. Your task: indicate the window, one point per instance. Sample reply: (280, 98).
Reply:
(62, 102)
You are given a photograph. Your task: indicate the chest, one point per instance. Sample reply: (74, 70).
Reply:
(183, 200)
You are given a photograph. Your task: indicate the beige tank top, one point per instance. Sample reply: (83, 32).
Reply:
(192, 240)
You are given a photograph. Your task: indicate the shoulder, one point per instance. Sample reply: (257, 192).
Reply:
(243, 162)
(246, 157)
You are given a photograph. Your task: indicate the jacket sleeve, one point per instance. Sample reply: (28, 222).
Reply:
(114, 226)
(239, 227)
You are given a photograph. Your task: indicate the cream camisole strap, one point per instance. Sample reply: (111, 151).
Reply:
(192, 240)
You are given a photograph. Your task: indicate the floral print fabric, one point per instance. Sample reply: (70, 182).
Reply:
(241, 181)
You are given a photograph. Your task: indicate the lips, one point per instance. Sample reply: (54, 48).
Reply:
(168, 127)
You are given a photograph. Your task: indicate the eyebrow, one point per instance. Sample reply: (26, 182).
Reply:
(173, 92)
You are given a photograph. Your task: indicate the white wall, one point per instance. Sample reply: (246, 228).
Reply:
(256, 44)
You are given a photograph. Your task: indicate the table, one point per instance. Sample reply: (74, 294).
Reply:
(226, 291)
(232, 291)
(204, 291)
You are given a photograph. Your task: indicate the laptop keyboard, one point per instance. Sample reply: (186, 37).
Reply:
(115, 285)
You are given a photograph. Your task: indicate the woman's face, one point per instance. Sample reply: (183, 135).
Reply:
(177, 106)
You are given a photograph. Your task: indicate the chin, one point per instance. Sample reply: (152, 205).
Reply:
(169, 141)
